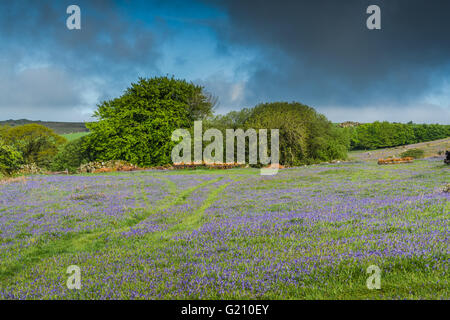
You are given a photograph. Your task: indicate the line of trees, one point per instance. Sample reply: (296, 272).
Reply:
(137, 127)
(385, 134)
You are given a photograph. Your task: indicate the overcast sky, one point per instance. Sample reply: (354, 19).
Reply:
(245, 52)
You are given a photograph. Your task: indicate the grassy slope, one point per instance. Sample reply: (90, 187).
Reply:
(431, 149)
(74, 136)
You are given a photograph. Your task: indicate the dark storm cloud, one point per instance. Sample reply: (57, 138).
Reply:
(245, 52)
(321, 51)
(106, 36)
(45, 66)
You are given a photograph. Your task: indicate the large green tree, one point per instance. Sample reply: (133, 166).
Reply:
(137, 126)
(305, 135)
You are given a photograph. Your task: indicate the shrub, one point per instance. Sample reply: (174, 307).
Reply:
(10, 159)
(36, 143)
(414, 153)
(305, 135)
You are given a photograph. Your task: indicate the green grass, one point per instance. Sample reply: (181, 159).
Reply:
(74, 136)
(104, 252)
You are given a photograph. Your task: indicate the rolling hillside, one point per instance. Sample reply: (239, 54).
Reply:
(58, 127)
(431, 148)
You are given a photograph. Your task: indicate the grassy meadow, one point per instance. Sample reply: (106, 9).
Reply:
(74, 136)
(430, 148)
(306, 233)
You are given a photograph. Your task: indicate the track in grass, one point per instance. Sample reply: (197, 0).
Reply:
(306, 233)
(92, 240)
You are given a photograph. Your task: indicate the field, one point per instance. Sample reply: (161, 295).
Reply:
(306, 233)
(74, 136)
(430, 148)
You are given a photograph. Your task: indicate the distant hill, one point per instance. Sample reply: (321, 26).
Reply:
(58, 127)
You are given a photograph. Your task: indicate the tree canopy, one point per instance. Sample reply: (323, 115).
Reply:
(36, 143)
(305, 135)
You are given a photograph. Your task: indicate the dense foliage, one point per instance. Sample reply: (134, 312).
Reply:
(72, 155)
(384, 134)
(231, 120)
(137, 126)
(36, 143)
(305, 135)
(10, 159)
